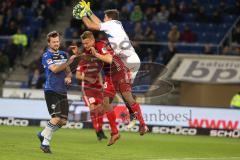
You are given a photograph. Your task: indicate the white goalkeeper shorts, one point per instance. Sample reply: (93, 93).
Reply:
(132, 62)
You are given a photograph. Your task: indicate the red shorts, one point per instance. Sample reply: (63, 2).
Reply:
(117, 82)
(92, 96)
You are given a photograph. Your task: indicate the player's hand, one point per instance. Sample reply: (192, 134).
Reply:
(86, 6)
(68, 80)
(93, 51)
(71, 59)
(75, 50)
(79, 11)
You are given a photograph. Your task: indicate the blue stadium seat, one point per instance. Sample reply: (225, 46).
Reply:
(36, 23)
(212, 27)
(162, 36)
(141, 89)
(161, 26)
(188, 18)
(194, 26)
(128, 26)
(229, 18)
(182, 49)
(99, 14)
(196, 49)
(209, 9)
(159, 59)
(29, 13)
(27, 31)
(202, 37)
(68, 32)
(145, 24)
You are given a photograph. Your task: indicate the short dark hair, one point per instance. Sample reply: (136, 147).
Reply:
(87, 34)
(112, 13)
(52, 34)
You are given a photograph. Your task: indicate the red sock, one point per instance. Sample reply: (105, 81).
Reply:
(94, 119)
(112, 121)
(136, 108)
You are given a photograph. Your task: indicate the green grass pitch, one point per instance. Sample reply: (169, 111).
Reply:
(21, 143)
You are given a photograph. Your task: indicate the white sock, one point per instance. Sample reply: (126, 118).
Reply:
(57, 127)
(48, 132)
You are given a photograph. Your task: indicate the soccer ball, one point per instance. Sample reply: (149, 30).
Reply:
(77, 11)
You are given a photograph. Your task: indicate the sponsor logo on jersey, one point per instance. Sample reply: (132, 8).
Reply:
(104, 50)
(49, 61)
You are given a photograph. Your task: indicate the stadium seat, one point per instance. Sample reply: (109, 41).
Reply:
(128, 26)
(182, 49)
(68, 32)
(100, 14)
(188, 18)
(229, 18)
(141, 89)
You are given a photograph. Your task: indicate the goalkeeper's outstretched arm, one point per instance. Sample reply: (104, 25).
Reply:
(88, 17)
(90, 24)
(95, 19)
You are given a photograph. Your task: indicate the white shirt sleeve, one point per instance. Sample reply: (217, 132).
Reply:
(105, 26)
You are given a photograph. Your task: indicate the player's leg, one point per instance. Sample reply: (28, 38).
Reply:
(94, 116)
(131, 113)
(109, 91)
(90, 102)
(125, 90)
(112, 121)
(93, 98)
(100, 133)
(96, 113)
(54, 102)
(133, 64)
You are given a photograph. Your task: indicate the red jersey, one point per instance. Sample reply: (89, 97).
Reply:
(91, 69)
(116, 74)
(117, 64)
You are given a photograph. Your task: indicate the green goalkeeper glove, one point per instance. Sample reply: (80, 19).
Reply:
(79, 11)
(86, 6)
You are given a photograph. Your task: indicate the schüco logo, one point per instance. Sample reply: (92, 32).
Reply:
(14, 122)
(122, 127)
(175, 130)
(73, 125)
(70, 125)
(225, 133)
(213, 71)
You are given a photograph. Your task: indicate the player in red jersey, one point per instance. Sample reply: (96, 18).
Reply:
(94, 90)
(116, 72)
(88, 71)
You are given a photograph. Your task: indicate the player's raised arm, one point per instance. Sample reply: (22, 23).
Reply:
(95, 19)
(89, 12)
(91, 24)
(58, 68)
(82, 11)
(108, 58)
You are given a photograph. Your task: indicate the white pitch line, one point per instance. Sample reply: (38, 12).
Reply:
(209, 158)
